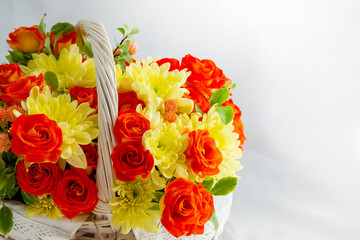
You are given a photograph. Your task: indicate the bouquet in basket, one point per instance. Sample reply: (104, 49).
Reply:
(178, 133)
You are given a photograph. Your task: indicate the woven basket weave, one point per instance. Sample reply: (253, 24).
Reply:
(97, 225)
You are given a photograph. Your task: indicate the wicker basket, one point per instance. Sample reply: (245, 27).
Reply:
(97, 225)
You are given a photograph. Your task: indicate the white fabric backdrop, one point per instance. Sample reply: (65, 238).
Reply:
(297, 66)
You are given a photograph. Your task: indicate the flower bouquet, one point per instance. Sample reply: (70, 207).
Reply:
(87, 129)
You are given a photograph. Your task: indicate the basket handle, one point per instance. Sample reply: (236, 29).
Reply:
(107, 107)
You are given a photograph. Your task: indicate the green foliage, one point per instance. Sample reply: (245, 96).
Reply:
(155, 207)
(224, 186)
(63, 28)
(127, 37)
(51, 80)
(28, 198)
(226, 113)
(6, 220)
(88, 49)
(42, 25)
(214, 220)
(158, 196)
(220, 96)
(47, 45)
(17, 57)
(208, 184)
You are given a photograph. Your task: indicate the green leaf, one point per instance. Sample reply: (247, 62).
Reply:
(214, 220)
(47, 49)
(42, 25)
(122, 30)
(134, 31)
(198, 109)
(9, 58)
(51, 80)
(6, 220)
(8, 189)
(28, 198)
(208, 184)
(88, 49)
(18, 57)
(224, 186)
(2, 165)
(126, 27)
(233, 86)
(63, 28)
(220, 96)
(158, 196)
(155, 207)
(226, 113)
(2, 181)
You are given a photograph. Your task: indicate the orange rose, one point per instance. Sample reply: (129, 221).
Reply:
(64, 41)
(82, 95)
(133, 48)
(130, 161)
(37, 138)
(237, 123)
(199, 95)
(130, 125)
(203, 157)
(27, 39)
(185, 207)
(19, 90)
(203, 71)
(9, 73)
(129, 100)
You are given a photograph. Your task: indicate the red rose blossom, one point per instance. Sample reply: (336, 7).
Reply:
(174, 63)
(75, 193)
(37, 179)
(83, 95)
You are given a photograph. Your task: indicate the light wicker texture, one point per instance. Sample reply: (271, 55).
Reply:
(98, 226)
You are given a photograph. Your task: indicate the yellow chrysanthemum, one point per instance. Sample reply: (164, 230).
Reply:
(154, 84)
(44, 205)
(69, 68)
(225, 138)
(76, 122)
(131, 207)
(167, 145)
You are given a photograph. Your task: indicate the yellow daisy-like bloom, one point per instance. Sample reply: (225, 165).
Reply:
(132, 206)
(46, 206)
(167, 145)
(69, 68)
(225, 139)
(76, 122)
(154, 84)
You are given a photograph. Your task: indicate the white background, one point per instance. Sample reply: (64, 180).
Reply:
(297, 69)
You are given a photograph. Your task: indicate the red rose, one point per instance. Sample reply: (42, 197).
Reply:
(130, 125)
(37, 137)
(37, 179)
(27, 39)
(64, 41)
(174, 63)
(203, 71)
(130, 161)
(129, 100)
(9, 73)
(185, 207)
(203, 157)
(75, 193)
(83, 95)
(237, 123)
(19, 90)
(92, 156)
